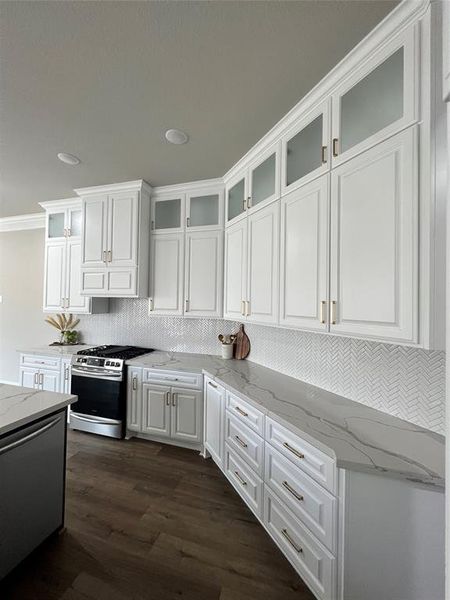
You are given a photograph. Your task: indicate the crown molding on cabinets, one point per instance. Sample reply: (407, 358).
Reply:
(126, 186)
(406, 13)
(187, 187)
(22, 222)
(63, 204)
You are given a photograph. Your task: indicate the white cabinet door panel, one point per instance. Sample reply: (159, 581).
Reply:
(156, 410)
(203, 273)
(55, 271)
(50, 380)
(123, 229)
(134, 399)
(263, 252)
(77, 302)
(94, 282)
(94, 231)
(166, 287)
(235, 270)
(214, 421)
(28, 377)
(122, 281)
(374, 222)
(304, 256)
(186, 415)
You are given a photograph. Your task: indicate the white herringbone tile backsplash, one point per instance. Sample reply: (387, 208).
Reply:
(405, 382)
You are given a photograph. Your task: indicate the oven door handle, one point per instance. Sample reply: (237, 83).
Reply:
(91, 375)
(96, 420)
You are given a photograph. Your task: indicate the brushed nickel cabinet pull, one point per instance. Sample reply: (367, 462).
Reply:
(292, 491)
(293, 450)
(239, 441)
(174, 399)
(240, 411)
(69, 232)
(36, 382)
(67, 303)
(153, 225)
(168, 398)
(247, 308)
(104, 256)
(41, 378)
(186, 306)
(335, 147)
(188, 221)
(243, 308)
(62, 303)
(322, 311)
(134, 383)
(150, 303)
(212, 384)
(333, 312)
(249, 202)
(244, 204)
(296, 547)
(241, 481)
(324, 155)
(109, 256)
(66, 373)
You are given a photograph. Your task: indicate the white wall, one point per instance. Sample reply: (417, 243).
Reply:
(21, 280)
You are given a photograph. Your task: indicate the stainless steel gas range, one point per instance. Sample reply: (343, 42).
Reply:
(99, 381)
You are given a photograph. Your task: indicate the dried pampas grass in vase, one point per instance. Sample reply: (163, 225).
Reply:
(65, 324)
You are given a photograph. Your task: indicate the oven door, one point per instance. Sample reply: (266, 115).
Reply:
(101, 406)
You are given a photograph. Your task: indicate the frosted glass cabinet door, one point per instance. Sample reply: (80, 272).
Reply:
(56, 225)
(375, 102)
(236, 199)
(203, 210)
(264, 179)
(74, 222)
(168, 214)
(305, 152)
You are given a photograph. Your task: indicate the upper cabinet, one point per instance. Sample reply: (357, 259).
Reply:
(62, 267)
(376, 100)
(305, 149)
(186, 256)
(255, 187)
(114, 241)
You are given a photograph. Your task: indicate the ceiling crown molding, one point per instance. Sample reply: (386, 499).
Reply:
(22, 222)
(126, 186)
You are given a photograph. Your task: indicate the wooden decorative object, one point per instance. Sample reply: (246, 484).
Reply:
(242, 344)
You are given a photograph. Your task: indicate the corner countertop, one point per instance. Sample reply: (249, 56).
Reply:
(60, 351)
(357, 436)
(20, 405)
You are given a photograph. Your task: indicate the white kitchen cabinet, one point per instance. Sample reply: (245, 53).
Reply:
(186, 415)
(255, 187)
(374, 242)
(115, 238)
(203, 278)
(28, 377)
(204, 208)
(262, 261)
(155, 410)
(377, 99)
(168, 212)
(40, 379)
(235, 270)
(306, 148)
(304, 256)
(214, 423)
(166, 274)
(62, 263)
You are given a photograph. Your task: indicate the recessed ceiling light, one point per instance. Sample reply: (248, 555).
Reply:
(176, 136)
(69, 159)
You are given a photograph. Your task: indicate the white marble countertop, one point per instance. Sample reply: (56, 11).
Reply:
(359, 437)
(20, 405)
(61, 351)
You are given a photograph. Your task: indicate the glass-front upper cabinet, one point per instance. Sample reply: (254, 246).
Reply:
(376, 101)
(63, 220)
(305, 152)
(74, 222)
(204, 209)
(264, 179)
(56, 225)
(168, 213)
(236, 198)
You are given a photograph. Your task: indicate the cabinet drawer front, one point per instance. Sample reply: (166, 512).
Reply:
(308, 557)
(47, 362)
(246, 413)
(247, 444)
(310, 459)
(174, 378)
(310, 503)
(248, 485)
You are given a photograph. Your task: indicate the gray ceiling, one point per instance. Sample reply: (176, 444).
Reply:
(104, 80)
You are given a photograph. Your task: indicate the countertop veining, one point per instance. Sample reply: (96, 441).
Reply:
(20, 405)
(60, 351)
(359, 437)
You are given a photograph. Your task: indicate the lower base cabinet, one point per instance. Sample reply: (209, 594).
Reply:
(48, 373)
(168, 412)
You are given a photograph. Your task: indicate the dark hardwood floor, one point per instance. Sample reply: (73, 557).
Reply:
(148, 521)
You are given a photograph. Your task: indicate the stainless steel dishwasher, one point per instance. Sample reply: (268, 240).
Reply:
(32, 477)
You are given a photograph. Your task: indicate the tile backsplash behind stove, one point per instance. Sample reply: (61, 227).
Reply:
(406, 382)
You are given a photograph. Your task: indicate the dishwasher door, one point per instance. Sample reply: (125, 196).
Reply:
(32, 477)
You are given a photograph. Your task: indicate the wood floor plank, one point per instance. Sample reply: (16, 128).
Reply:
(149, 521)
